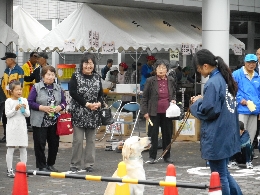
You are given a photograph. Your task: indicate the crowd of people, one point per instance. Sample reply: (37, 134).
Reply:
(30, 96)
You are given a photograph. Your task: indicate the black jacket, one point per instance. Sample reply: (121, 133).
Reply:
(151, 95)
(35, 75)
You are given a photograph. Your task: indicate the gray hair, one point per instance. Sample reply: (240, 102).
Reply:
(162, 62)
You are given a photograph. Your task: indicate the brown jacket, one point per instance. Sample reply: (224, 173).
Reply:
(150, 97)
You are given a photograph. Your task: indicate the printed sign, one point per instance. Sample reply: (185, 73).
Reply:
(174, 55)
(186, 49)
(69, 45)
(189, 127)
(93, 38)
(108, 47)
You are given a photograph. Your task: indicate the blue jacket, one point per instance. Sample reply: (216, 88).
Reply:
(248, 90)
(145, 73)
(245, 139)
(104, 72)
(219, 134)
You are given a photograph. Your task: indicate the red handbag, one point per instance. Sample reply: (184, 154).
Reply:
(64, 124)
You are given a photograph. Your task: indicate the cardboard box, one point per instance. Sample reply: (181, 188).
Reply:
(191, 130)
(125, 128)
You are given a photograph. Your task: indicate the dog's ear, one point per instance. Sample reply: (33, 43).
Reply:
(126, 151)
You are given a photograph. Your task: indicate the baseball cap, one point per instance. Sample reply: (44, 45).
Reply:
(150, 58)
(113, 68)
(43, 55)
(8, 55)
(250, 57)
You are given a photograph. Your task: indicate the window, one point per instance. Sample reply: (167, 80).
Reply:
(238, 27)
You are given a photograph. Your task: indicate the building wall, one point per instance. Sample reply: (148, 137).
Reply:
(47, 9)
(6, 8)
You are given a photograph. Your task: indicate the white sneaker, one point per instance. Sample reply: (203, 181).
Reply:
(249, 165)
(10, 173)
(232, 164)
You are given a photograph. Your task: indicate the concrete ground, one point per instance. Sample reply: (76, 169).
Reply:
(189, 168)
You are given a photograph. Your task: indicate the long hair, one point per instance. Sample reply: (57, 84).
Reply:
(87, 56)
(204, 56)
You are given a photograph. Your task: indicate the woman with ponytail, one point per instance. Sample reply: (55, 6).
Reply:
(216, 109)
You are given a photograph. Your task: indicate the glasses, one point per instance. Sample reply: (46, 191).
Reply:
(36, 56)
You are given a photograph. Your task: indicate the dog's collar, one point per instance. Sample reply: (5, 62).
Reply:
(135, 158)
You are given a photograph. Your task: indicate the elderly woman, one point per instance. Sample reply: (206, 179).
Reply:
(87, 97)
(45, 99)
(158, 92)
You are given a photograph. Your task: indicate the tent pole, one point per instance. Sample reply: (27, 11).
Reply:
(139, 133)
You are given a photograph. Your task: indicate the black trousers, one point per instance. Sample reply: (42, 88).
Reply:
(3, 116)
(40, 136)
(4, 121)
(166, 129)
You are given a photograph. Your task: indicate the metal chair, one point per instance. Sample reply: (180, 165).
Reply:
(117, 104)
(131, 107)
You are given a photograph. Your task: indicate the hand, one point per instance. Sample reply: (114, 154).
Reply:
(24, 105)
(243, 102)
(94, 106)
(57, 109)
(18, 106)
(146, 116)
(46, 109)
(195, 98)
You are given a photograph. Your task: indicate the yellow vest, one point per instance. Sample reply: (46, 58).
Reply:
(28, 70)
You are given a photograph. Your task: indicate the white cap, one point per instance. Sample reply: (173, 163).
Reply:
(113, 68)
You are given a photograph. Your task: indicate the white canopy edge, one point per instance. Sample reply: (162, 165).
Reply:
(8, 35)
(126, 28)
(30, 31)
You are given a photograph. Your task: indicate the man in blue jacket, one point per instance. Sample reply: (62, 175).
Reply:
(248, 82)
(147, 71)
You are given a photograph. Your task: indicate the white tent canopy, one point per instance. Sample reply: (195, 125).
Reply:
(127, 28)
(30, 31)
(7, 34)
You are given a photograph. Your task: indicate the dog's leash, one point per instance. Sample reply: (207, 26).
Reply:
(184, 120)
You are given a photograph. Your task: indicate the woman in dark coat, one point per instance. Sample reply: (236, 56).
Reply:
(158, 92)
(85, 88)
(217, 111)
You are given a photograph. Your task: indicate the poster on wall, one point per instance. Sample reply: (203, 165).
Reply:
(186, 49)
(93, 38)
(174, 55)
(237, 49)
(108, 47)
(69, 45)
(189, 127)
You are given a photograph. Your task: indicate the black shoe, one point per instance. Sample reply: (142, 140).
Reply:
(44, 169)
(52, 168)
(74, 169)
(168, 160)
(89, 169)
(151, 161)
(29, 128)
(3, 140)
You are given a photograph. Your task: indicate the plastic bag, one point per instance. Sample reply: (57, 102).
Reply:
(173, 111)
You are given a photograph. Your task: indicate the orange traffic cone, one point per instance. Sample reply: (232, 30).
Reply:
(215, 186)
(170, 176)
(20, 180)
